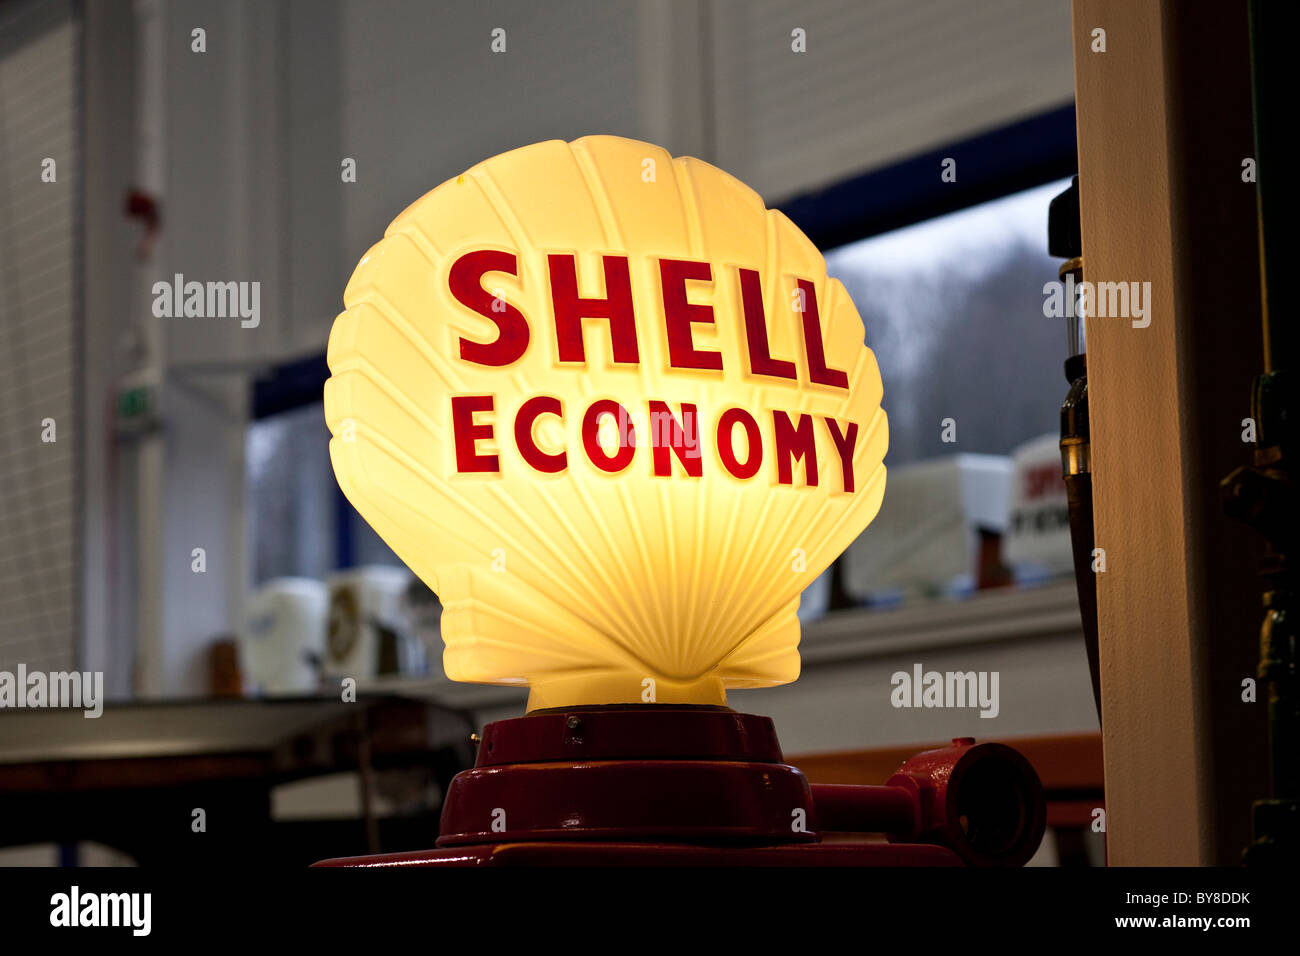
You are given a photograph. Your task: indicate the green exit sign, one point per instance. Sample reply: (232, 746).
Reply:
(135, 402)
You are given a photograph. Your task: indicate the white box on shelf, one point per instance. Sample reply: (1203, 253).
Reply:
(364, 603)
(283, 637)
(925, 539)
(1036, 543)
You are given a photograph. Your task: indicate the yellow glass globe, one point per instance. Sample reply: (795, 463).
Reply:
(612, 410)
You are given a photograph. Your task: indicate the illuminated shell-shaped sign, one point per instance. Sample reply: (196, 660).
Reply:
(613, 411)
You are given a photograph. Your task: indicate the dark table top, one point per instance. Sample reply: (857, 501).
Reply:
(159, 743)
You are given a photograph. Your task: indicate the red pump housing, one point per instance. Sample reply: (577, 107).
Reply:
(672, 784)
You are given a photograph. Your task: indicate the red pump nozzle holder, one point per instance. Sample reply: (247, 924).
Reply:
(672, 784)
(982, 801)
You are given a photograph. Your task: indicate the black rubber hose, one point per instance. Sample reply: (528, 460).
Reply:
(1077, 468)
(1078, 489)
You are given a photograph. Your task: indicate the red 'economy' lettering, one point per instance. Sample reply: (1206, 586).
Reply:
(794, 442)
(529, 411)
(468, 434)
(683, 439)
(671, 435)
(844, 443)
(626, 439)
(753, 439)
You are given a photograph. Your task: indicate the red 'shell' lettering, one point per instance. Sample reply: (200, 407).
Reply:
(569, 309)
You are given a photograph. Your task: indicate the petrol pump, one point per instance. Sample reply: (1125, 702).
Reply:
(615, 413)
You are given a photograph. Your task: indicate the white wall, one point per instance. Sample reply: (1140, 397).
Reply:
(39, 326)
(881, 81)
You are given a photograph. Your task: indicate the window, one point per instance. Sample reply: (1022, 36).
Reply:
(299, 522)
(953, 309)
